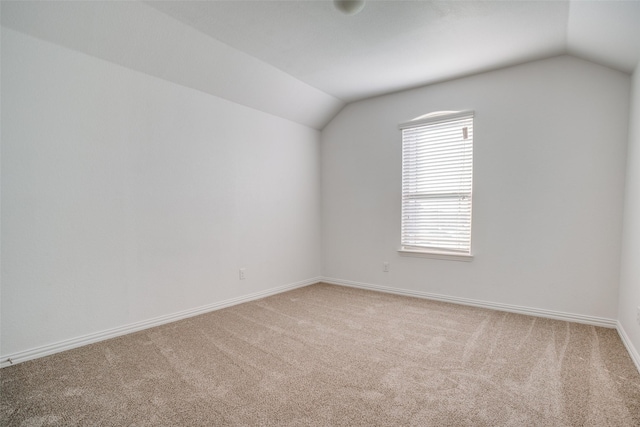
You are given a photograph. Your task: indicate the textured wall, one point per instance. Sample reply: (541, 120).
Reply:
(630, 271)
(125, 197)
(550, 145)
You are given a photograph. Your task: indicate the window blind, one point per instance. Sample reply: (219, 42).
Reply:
(437, 172)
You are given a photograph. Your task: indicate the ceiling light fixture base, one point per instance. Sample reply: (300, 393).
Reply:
(349, 7)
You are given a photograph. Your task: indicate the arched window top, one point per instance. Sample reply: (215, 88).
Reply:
(435, 116)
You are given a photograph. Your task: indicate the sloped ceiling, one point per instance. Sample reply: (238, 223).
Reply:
(606, 32)
(139, 37)
(303, 60)
(389, 45)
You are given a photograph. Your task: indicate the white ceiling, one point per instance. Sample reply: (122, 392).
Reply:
(390, 45)
(393, 45)
(303, 60)
(607, 32)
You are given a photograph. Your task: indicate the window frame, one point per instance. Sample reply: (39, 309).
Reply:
(437, 252)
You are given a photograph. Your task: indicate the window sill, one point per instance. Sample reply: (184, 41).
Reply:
(450, 256)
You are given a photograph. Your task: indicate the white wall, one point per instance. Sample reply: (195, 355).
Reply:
(550, 145)
(125, 197)
(136, 35)
(630, 265)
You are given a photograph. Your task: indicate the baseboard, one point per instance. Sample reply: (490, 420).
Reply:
(23, 356)
(549, 314)
(627, 343)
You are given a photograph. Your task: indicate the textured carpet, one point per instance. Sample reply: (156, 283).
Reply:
(328, 355)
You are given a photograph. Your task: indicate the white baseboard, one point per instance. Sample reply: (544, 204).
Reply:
(627, 343)
(23, 356)
(549, 314)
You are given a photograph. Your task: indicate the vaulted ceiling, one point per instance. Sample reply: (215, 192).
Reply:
(303, 60)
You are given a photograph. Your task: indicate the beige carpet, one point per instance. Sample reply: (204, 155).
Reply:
(328, 355)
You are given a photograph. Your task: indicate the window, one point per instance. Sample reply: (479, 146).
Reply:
(437, 171)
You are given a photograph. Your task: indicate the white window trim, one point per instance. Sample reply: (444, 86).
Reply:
(440, 116)
(435, 254)
(427, 252)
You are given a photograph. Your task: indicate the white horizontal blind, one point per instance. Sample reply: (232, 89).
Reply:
(437, 172)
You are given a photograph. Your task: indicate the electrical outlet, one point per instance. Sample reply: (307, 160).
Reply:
(242, 274)
(385, 267)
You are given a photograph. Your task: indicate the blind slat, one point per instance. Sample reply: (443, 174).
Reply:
(437, 174)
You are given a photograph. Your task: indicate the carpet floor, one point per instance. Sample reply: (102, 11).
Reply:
(335, 356)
